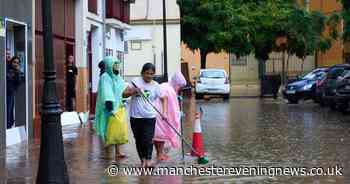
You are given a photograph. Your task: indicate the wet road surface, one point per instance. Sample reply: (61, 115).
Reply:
(240, 132)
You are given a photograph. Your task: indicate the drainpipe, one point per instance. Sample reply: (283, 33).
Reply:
(104, 14)
(165, 74)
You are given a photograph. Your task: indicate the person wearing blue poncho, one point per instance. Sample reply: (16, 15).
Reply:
(111, 89)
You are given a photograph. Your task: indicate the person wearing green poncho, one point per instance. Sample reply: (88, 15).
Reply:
(110, 94)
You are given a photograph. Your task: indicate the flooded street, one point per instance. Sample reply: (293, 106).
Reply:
(247, 132)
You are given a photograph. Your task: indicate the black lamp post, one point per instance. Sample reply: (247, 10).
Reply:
(165, 43)
(52, 166)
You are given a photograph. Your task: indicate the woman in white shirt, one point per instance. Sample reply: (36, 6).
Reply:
(142, 114)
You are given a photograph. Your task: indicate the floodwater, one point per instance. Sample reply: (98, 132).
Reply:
(240, 133)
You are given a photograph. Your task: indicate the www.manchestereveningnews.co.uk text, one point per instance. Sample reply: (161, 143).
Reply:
(114, 170)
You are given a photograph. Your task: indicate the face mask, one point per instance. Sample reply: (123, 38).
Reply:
(116, 72)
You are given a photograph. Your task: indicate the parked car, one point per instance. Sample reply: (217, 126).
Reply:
(304, 87)
(328, 87)
(212, 82)
(342, 95)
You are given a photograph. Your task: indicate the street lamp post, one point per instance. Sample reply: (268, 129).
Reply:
(52, 166)
(165, 43)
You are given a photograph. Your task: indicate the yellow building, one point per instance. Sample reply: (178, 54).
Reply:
(336, 54)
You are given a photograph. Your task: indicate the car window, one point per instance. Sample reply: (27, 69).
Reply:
(310, 75)
(321, 75)
(313, 75)
(345, 73)
(212, 74)
(335, 73)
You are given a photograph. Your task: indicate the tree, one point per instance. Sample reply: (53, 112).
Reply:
(201, 24)
(346, 18)
(243, 27)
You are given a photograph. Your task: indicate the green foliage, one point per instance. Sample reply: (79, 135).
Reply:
(346, 17)
(243, 27)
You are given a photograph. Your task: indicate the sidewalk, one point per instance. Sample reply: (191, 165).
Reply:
(85, 156)
(245, 90)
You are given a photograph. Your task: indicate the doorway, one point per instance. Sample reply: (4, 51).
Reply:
(16, 81)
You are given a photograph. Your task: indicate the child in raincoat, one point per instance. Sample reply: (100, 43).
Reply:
(164, 134)
(109, 106)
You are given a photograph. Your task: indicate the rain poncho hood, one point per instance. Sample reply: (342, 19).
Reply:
(177, 81)
(110, 88)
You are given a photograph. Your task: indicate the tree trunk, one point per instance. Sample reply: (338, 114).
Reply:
(262, 68)
(287, 66)
(203, 54)
(283, 67)
(316, 59)
(302, 66)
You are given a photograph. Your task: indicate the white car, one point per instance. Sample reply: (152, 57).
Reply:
(212, 82)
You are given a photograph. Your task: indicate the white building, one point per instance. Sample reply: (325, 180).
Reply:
(100, 28)
(145, 39)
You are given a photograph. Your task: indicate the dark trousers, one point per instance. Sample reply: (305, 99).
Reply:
(9, 110)
(143, 130)
(69, 103)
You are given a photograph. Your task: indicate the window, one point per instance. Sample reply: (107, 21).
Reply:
(92, 6)
(114, 9)
(238, 61)
(118, 9)
(136, 45)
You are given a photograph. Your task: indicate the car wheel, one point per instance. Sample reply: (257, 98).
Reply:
(333, 106)
(322, 104)
(344, 107)
(199, 96)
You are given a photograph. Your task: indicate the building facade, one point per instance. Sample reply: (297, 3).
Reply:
(338, 51)
(64, 44)
(16, 39)
(145, 39)
(101, 26)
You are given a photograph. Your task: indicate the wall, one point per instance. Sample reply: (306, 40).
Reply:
(335, 54)
(147, 15)
(63, 16)
(139, 10)
(92, 23)
(220, 61)
(248, 73)
(134, 59)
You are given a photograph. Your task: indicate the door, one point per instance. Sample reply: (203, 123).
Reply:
(69, 103)
(16, 82)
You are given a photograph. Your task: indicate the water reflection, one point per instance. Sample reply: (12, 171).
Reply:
(242, 132)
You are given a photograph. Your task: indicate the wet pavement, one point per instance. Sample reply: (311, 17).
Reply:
(239, 132)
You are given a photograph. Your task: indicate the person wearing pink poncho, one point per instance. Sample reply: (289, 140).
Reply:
(164, 134)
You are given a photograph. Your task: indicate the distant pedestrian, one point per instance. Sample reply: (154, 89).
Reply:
(164, 135)
(72, 73)
(142, 114)
(14, 78)
(8, 56)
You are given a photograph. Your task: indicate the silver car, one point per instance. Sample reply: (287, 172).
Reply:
(212, 82)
